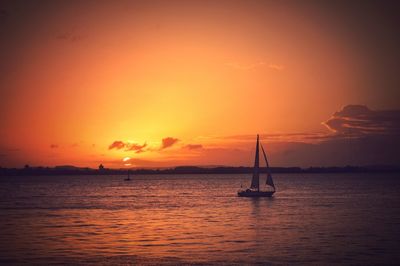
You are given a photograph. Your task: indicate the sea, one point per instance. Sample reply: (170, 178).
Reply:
(313, 219)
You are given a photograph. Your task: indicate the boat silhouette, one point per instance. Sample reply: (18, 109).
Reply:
(254, 190)
(128, 178)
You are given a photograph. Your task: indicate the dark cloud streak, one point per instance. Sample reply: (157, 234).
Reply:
(136, 147)
(168, 142)
(193, 146)
(117, 145)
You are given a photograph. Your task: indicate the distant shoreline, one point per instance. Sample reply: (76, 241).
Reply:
(72, 170)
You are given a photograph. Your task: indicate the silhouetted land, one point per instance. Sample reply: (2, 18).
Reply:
(72, 170)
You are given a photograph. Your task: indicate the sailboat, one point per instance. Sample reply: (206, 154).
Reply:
(128, 178)
(254, 190)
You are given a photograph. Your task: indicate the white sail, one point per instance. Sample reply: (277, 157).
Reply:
(255, 181)
(269, 181)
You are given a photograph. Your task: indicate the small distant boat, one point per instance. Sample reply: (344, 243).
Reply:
(254, 190)
(128, 178)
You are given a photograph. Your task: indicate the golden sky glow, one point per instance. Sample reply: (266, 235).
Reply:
(173, 81)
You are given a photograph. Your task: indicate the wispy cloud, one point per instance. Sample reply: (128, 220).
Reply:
(193, 146)
(136, 147)
(9, 149)
(236, 65)
(117, 145)
(71, 36)
(127, 146)
(276, 67)
(279, 137)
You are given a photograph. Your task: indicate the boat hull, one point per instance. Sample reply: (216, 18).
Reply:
(255, 194)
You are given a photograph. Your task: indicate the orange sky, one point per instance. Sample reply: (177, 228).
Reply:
(79, 76)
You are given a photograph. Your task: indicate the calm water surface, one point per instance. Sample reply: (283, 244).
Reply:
(198, 219)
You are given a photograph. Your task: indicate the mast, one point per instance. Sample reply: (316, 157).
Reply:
(269, 176)
(255, 181)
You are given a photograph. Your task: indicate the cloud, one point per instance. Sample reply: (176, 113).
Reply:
(53, 146)
(168, 142)
(359, 120)
(245, 67)
(70, 36)
(193, 146)
(276, 67)
(9, 149)
(4, 151)
(135, 147)
(242, 140)
(235, 65)
(117, 145)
